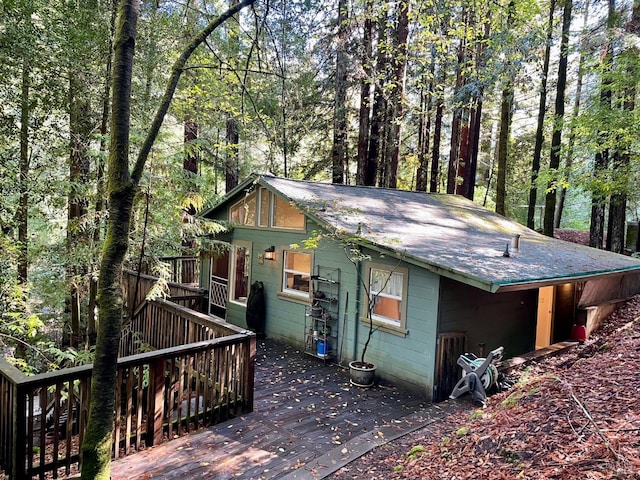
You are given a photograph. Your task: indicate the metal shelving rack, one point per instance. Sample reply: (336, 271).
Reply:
(321, 317)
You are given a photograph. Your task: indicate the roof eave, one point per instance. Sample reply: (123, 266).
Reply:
(548, 282)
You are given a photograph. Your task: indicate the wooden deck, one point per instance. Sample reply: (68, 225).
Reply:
(303, 409)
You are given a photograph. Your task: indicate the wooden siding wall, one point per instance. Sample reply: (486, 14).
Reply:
(284, 317)
(499, 319)
(407, 360)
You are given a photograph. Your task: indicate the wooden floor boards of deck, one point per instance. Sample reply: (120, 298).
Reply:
(303, 409)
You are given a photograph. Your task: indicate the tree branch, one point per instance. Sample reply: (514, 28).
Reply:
(172, 84)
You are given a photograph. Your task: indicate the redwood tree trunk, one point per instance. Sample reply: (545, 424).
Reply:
(576, 110)
(556, 139)
(503, 142)
(437, 132)
(232, 167)
(232, 161)
(456, 123)
(596, 227)
(396, 108)
(542, 107)
(339, 151)
(622, 158)
(424, 127)
(80, 132)
(365, 95)
(378, 113)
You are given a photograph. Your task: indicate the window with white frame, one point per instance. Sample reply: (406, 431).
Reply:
(240, 272)
(296, 273)
(388, 295)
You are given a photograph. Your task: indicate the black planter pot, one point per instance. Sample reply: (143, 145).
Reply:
(362, 374)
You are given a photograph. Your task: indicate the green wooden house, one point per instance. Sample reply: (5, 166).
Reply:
(434, 264)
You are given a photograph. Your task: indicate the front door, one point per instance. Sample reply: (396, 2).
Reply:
(219, 284)
(545, 316)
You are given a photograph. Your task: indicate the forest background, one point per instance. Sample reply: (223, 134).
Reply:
(526, 107)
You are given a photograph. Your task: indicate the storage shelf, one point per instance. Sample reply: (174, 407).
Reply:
(325, 298)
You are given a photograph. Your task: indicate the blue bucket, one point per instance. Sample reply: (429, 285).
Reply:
(322, 348)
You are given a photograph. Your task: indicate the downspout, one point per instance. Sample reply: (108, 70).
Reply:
(358, 302)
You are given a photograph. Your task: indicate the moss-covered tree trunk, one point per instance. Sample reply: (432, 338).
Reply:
(121, 187)
(96, 449)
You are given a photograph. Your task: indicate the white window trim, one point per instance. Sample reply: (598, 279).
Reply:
(291, 292)
(386, 323)
(232, 270)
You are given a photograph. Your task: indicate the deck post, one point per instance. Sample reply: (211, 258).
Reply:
(250, 373)
(19, 434)
(156, 403)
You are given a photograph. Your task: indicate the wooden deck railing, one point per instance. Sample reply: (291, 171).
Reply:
(137, 286)
(184, 269)
(159, 394)
(162, 324)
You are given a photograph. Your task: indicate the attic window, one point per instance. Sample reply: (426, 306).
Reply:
(244, 212)
(266, 210)
(286, 215)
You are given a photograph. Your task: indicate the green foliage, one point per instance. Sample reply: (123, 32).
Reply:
(415, 451)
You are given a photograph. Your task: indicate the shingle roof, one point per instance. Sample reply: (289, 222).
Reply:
(449, 235)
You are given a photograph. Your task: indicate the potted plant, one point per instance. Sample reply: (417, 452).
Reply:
(362, 372)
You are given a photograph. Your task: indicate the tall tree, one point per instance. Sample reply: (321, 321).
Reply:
(22, 214)
(122, 185)
(506, 115)
(365, 93)
(598, 198)
(85, 38)
(542, 108)
(458, 111)
(376, 133)
(395, 105)
(232, 138)
(424, 123)
(558, 121)
(626, 90)
(339, 151)
(576, 110)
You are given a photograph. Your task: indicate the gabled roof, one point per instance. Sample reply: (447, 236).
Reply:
(447, 234)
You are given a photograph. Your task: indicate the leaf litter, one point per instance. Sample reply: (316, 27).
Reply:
(570, 416)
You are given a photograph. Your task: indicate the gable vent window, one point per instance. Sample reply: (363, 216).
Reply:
(263, 209)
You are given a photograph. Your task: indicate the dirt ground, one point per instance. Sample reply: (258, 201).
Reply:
(573, 416)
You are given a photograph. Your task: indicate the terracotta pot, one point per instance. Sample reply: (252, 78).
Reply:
(362, 374)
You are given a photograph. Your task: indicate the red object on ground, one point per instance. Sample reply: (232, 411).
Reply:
(579, 333)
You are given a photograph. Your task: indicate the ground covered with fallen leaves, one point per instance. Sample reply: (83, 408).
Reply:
(573, 416)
